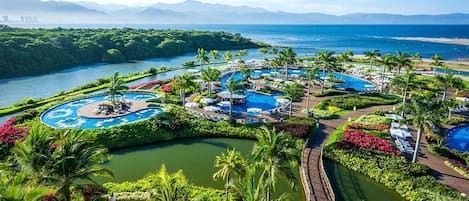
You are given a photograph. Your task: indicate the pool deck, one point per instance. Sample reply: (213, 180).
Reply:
(87, 110)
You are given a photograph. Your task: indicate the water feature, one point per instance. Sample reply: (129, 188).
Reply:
(458, 138)
(195, 157)
(456, 72)
(66, 115)
(351, 186)
(267, 102)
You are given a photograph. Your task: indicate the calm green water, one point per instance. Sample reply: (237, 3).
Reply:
(194, 156)
(352, 186)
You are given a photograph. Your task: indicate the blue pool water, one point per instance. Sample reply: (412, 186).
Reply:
(458, 138)
(266, 102)
(456, 72)
(66, 116)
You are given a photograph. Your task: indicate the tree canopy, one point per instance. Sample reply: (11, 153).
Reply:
(34, 51)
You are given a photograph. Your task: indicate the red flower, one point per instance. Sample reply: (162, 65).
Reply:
(357, 139)
(9, 134)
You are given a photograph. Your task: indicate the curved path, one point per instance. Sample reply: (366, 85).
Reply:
(315, 181)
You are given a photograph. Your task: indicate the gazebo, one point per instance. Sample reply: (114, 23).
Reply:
(237, 98)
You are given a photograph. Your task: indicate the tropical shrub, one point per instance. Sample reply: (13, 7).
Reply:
(372, 119)
(353, 139)
(408, 179)
(378, 127)
(197, 98)
(449, 153)
(328, 93)
(26, 115)
(323, 114)
(348, 102)
(301, 120)
(459, 167)
(296, 130)
(454, 120)
(9, 133)
(333, 109)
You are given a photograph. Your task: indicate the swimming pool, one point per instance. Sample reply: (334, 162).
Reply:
(267, 102)
(456, 72)
(66, 114)
(458, 138)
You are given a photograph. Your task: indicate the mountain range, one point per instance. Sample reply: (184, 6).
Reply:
(195, 12)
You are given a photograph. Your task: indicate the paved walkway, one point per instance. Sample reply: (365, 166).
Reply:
(316, 184)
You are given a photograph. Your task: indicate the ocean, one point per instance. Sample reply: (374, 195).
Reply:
(305, 39)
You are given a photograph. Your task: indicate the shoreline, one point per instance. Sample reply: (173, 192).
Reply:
(454, 41)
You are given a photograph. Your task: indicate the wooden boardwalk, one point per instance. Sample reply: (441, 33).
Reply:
(316, 184)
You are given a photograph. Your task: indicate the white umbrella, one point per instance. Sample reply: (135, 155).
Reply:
(211, 108)
(207, 100)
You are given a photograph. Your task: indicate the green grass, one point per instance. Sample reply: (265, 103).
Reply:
(337, 135)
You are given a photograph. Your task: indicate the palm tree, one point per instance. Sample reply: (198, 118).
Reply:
(116, 87)
(275, 153)
(231, 165)
(404, 84)
(402, 61)
(326, 60)
(227, 56)
(287, 57)
(344, 58)
(388, 61)
(310, 75)
(184, 82)
(20, 188)
(425, 112)
(232, 85)
(449, 81)
(293, 92)
(34, 153)
(214, 55)
(372, 56)
(171, 187)
(77, 157)
(436, 61)
(246, 72)
(273, 51)
(242, 53)
(209, 75)
(248, 188)
(416, 58)
(202, 57)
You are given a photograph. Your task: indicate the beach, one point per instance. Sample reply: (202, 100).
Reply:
(456, 41)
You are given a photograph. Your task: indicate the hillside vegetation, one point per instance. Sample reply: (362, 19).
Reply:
(35, 51)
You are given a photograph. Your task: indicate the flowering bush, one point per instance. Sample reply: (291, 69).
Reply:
(166, 88)
(333, 109)
(296, 130)
(357, 139)
(378, 127)
(459, 167)
(9, 133)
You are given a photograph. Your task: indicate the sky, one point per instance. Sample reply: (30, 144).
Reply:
(337, 7)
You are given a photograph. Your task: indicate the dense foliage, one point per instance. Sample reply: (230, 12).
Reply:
(348, 102)
(353, 139)
(410, 180)
(459, 167)
(33, 51)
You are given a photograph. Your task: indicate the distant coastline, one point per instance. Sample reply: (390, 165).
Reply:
(456, 41)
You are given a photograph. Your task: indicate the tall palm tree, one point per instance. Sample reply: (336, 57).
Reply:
(344, 58)
(248, 188)
(214, 55)
(404, 84)
(231, 165)
(436, 62)
(448, 81)
(425, 112)
(242, 53)
(184, 82)
(402, 61)
(273, 52)
(293, 91)
(287, 57)
(115, 87)
(246, 72)
(276, 154)
(77, 157)
(202, 57)
(232, 85)
(310, 75)
(387, 61)
(372, 56)
(227, 56)
(326, 60)
(171, 187)
(209, 75)
(416, 58)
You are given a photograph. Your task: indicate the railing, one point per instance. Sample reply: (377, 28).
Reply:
(324, 178)
(304, 180)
